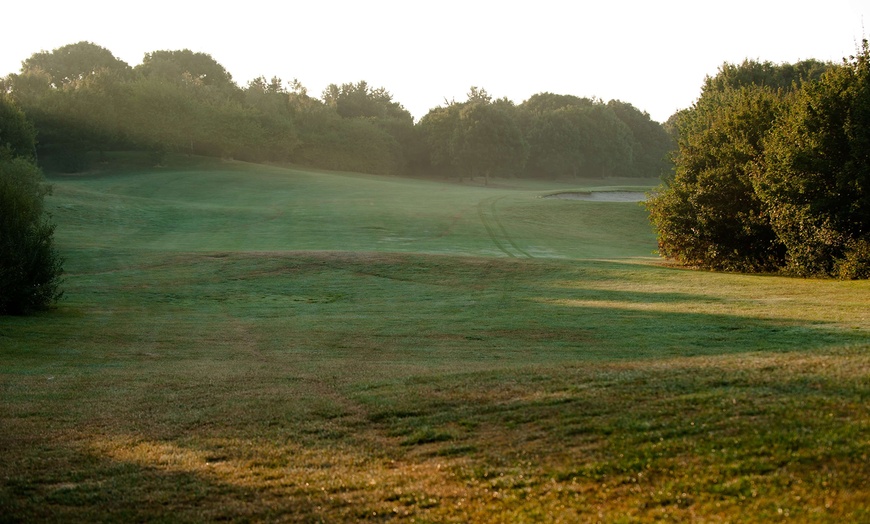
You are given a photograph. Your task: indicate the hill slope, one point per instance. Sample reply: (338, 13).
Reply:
(242, 207)
(250, 343)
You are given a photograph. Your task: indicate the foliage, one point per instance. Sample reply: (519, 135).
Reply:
(357, 144)
(650, 142)
(489, 141)
(187, 67)
(30, 267)
(17, 134)
(816, 184)
(708, 215)
(570, 136)
(767, 74)
(271, 104)
(607, 143)
(772, 171)
(561, 136)
(479, 137)
(360, 101)
(82, 100)
(542, 103)
(855, 262)
(73, 95)
(74, 63)
(439, 130)
(555, 144)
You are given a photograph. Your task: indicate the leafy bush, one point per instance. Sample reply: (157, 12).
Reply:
(773, 178)
(855, 264)
(30, 267)
(709, 214)
(816, 177)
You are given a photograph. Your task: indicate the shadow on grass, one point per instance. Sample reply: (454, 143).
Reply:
(128, 478)
(91, 489)
(686, 436)
(435, 311)
(621, 330)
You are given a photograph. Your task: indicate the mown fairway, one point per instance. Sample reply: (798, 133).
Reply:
(251, 343)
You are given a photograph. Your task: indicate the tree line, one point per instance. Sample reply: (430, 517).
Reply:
(772, 171)
(82, 100)
(30, 267)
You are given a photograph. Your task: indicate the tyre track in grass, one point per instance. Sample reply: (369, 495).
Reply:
(486, 209)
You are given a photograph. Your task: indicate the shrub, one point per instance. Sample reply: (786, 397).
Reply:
(30, 267)
(855, 265)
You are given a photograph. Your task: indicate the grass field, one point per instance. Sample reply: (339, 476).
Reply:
(253, 343)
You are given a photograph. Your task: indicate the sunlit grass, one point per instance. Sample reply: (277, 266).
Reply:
(212, 363)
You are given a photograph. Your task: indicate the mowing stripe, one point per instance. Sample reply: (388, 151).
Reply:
(495, 229)
(504, 231)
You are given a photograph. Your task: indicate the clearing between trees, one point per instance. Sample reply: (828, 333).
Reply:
(240, 342)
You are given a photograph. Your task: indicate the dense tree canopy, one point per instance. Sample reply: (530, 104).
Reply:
(649, 140)
(556, 143)
(816, 177)
(74, 63)
(439, 129)
(571, 136)
(185, 66)
(82, 100)
(30, 268)
(560, 136)
(773, 171)
(489, 140)
(17, 135)
(362, 100)
(710, 215)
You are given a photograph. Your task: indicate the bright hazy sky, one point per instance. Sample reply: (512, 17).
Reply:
(653, 54)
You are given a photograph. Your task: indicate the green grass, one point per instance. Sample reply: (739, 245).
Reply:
(258, 343)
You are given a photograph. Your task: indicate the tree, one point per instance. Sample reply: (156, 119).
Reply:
(271, 104)
(73, 63)
(772, 172)
(17, 134)
(478, 95)
(73, 94)
(573, 136)
(708, 215)
(161, 116)
(767, 74)
(607, 143)
(330, 141)
(651, 143)
(185, 66)
(187, 102)
(816, 181)
(439, 129)
(489, 140)
(30, 268)
(356, 144)
(361, 101)
(555, 144)
(479, 137)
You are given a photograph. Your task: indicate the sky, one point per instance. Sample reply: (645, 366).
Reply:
(652, 54)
